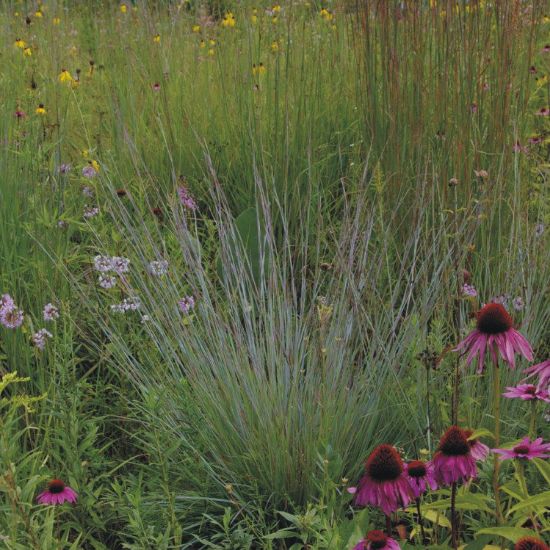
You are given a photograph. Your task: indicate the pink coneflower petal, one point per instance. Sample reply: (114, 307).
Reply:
(526, 449)
(57, 493)
(542, 370)
(494, 333)
(453, 460)
(384, 484)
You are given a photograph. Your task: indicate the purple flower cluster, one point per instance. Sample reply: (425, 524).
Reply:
(40, 337)
(186, 199)
(104, 264)
(10, 315)
(158, 268)
(50, 312)
(469, 290)
(186, 304)
(128, 304)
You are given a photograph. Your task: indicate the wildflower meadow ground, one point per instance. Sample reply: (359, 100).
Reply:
(274, 276)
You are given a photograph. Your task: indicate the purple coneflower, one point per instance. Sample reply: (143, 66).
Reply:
(377, 540)
(530, 543)
(384, 484)
(526, 449)
(546, 48)
(64, 168)
(494, 331)
(479, 450)
(453, 460)
(57, 493)
(542, 370)
(420, 476)
(156, 87)
(543, 111)
(527, 392)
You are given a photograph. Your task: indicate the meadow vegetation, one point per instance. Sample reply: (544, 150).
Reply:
(243, 241)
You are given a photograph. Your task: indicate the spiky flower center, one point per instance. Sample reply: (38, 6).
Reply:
(530, 389)
(530, 543)
(417, 468)
(56, 486)
(493, 319)
(521, 449)
(454, 442)
(384, 464)
(377, 539)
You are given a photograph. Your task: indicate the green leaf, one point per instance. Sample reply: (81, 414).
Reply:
(542, 499)
(543, 467)
(509, 533)
(282, 534)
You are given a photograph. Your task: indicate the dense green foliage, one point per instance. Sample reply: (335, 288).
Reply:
(353, 165)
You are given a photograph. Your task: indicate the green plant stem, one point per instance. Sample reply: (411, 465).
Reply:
(533, 419)
(496, 416)
(454, 520)
(420, 522)
(520, 475)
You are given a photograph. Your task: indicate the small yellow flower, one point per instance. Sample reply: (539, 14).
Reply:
(123, 8)
(275, 46)
(19, 43)
(202, 44)
(95, 165)
(40, 110)
(258, 69)
(326, 15)
(56, 20)
(212, 42)
(156, 39)
(65, 76)
(228, 20)
(254, 18)
(211, 51)
(196, 28)
(276, 8)
(274, 19)
(27, 52)
(85, 153)
(38, 14)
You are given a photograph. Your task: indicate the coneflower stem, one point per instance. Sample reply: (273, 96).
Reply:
(420, 522)
(456, 389)
(454, 520)
(388, 525)
(533, 419)
(496, 415)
